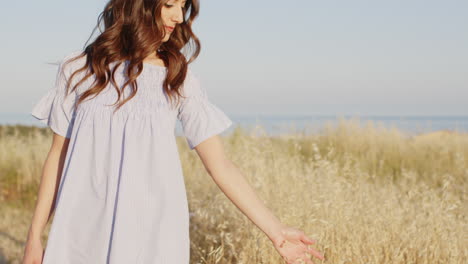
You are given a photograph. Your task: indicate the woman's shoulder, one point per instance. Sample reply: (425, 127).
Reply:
(192, 84)
(73, 53)
(69, 62)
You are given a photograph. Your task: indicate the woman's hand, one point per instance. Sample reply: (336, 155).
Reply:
(33, 252)
(293, 245)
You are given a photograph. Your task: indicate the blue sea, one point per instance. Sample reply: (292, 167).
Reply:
(312, 124)
(274, 125)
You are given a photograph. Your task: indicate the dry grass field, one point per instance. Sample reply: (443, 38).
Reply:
(366, 193)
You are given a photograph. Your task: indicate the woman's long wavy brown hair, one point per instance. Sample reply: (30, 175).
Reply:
(133, 30)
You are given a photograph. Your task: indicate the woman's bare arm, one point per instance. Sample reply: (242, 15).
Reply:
(231, 181)
(291, 243)
(50, 178)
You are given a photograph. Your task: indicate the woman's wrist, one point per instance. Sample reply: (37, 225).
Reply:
(276, 233)
(34, 234)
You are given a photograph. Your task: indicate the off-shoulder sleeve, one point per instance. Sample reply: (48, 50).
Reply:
(56, 107)
(200, 118)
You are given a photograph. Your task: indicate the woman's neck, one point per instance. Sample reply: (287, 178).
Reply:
(154, 60)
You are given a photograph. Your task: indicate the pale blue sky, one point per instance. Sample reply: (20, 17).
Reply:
(399, 57)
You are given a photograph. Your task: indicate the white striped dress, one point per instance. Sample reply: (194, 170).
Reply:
(122, 196)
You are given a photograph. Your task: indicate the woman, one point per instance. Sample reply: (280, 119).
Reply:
(113, 174)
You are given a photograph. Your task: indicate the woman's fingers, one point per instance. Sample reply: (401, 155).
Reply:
(315, 253)
(294, 246)
(307, 239)
(306, 249)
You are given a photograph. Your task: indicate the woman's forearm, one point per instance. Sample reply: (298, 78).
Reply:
(234, 185)
(47, 192)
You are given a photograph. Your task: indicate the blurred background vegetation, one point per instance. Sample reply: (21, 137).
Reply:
(368, 194)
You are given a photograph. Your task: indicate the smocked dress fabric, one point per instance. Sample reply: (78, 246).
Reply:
(121, 196)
